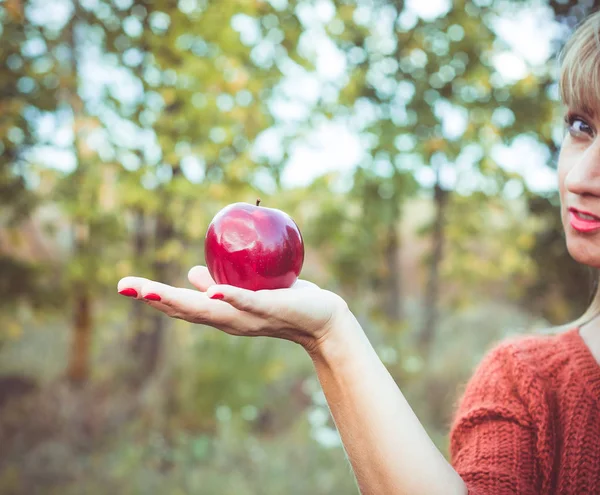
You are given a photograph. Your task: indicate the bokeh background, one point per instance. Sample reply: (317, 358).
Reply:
(414, 143)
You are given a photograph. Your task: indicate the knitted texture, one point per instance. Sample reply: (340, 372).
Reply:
(529, 419)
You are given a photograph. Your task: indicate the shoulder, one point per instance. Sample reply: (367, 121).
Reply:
(512, 376)
(528, 351)
(521, 357)
(525, 357)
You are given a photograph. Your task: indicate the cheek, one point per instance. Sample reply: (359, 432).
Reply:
(567, 159)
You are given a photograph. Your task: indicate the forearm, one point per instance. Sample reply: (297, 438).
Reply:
(388, 448)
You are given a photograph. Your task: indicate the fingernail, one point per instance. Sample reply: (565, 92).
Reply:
(128, 292)
(152, 297)
(217, 295)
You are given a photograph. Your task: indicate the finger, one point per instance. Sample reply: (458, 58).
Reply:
(242, 299)
(200, 278)
(187, 304)
(131, 286)
(160, 306)
(304, 284)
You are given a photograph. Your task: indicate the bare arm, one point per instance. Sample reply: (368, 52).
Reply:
(388, 448)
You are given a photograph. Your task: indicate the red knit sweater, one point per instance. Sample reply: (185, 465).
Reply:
(529, 421)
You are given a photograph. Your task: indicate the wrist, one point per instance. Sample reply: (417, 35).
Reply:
(341, 334)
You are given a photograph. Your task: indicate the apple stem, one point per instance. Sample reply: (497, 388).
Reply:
(258, 202)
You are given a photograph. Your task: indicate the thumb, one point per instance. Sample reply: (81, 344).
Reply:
(242, 299)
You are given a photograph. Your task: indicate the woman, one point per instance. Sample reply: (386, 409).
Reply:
(529, 421)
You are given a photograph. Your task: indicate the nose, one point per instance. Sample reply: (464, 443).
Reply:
(584, 177)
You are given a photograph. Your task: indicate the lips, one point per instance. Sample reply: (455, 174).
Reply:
(583, 221)
(583, 214)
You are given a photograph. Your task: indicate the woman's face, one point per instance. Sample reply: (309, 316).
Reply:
(579, 185)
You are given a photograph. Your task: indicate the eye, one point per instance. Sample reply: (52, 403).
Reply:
(578, 126)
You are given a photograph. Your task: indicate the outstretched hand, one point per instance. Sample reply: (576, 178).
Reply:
(303, 313)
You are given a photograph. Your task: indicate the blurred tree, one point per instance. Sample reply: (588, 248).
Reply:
(571, 12)
(139, 120)
(20, 96)
(207, 72)
(27, 88)
(411, 81)
(163, 101)
(83, 193)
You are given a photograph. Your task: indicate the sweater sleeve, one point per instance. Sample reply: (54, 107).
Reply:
(493, 439)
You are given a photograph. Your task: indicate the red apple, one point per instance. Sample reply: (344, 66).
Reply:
(254, 247)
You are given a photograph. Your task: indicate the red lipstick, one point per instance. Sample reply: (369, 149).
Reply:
(583, 221)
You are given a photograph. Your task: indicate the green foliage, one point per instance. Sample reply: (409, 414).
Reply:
(126, 125)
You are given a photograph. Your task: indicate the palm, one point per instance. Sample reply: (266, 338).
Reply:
(301, 313)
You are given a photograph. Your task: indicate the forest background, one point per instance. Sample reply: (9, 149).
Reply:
(415, 144)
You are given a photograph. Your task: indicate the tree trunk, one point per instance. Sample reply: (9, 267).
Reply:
(150, 325)
(430, 307)
(79, 368)
(393, 306)
(138, 312)
(79, 360)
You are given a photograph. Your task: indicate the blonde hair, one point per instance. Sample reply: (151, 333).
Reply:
(579, 84)
(580, 67)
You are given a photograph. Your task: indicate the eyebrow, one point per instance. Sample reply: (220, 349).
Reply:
(585, 110)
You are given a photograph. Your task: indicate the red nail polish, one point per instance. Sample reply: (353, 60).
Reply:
(217, 295)
(152, 297)
(128, 292)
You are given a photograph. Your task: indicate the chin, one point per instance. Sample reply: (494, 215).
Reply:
(584, 249)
